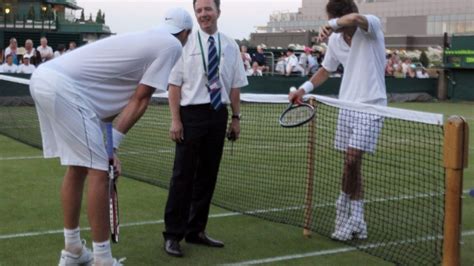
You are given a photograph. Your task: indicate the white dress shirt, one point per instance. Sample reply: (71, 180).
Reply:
(190, 74)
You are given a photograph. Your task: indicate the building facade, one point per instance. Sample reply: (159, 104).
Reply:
(399, 17)
(58, 20)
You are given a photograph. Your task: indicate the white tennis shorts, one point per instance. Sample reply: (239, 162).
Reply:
(357, 130)
(70, 129)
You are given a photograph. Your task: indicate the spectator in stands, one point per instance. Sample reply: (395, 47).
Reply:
(72, 46)
(45, 51)
(255, 70)
(398, 71)
(31, 53)
(292, 64)
(26, 67)
(406, 65)
(8, 66)
(60, 51)
(422, 74)
(12, 49)
(281, 64)
(411, 72)
(312, 61)
(245, 57)
(389, 69)
(303, 60)
(1, 56)
(260, 58)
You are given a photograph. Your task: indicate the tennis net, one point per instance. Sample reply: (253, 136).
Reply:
(293, 176)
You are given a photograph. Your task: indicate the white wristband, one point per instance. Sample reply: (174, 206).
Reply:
(307, 86)
(117, 138)
(333, 24)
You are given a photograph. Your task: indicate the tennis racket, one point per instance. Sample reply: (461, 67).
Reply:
(113, 196)
(297, 114)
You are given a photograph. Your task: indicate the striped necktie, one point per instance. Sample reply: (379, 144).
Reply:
(213, 75)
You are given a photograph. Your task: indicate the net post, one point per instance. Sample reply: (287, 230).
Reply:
(456, 142)
(308, 202)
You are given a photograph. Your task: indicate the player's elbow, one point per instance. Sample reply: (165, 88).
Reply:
(355, 19)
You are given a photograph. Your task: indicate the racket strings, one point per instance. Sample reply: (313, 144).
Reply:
(297, 115)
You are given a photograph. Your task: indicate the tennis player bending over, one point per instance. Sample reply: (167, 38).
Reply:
(78, 91)
(357, 42)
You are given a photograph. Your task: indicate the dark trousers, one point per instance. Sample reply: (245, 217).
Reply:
(195, 170)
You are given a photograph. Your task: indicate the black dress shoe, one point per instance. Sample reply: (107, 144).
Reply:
(203, 239)
(172, 248)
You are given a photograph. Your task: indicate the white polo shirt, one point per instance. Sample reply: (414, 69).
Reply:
(189, 72)
(106, 73)
(26, 69)
(364, 64)
(6, 68)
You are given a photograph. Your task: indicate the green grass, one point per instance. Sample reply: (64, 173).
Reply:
(30, 200)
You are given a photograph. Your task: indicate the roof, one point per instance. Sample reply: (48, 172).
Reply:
(68, 3)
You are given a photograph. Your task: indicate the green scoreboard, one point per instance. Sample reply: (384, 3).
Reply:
(462, 58)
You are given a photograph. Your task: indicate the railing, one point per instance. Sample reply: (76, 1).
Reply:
(29, 24)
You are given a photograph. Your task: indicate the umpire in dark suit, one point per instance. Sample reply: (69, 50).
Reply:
(203, 82)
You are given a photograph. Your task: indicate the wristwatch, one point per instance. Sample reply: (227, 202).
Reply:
(237, 116)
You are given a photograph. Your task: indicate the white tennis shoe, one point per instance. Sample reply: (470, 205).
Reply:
(342, 214)
(85, 258)
(115, 262)
(353, 228)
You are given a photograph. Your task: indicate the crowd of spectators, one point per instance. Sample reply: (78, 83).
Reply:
(25, 59)
(404, 68)
(288, 63)
(306, 63)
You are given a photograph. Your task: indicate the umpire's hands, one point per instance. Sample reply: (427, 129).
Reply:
(234, 129)
(176, 131)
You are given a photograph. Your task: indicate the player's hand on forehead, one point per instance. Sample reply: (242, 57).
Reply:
(324, 33)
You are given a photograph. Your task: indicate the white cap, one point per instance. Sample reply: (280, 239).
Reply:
(176, 20)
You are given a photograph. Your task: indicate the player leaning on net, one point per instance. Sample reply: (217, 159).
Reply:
(357, 42)
(76, 93)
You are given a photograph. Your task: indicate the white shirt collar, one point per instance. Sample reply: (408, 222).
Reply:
(205, 36)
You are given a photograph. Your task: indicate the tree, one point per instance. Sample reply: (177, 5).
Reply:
(83, 17)
(90, 18)
(103, 17)
(31, 13)
(98, 18)
(424, 60)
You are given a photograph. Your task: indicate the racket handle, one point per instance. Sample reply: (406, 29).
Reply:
(109, 140)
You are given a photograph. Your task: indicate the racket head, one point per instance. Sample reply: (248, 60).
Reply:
(297, 115)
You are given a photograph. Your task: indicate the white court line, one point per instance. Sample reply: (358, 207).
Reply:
(219, 215)
(21, 158)
(339, 250)
(60, 231)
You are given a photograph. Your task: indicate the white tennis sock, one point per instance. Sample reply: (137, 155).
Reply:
(343, 201)
(357, 209)
(72, 240)
(102, 252)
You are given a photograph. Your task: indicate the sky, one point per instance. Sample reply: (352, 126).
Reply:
(238, 17)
